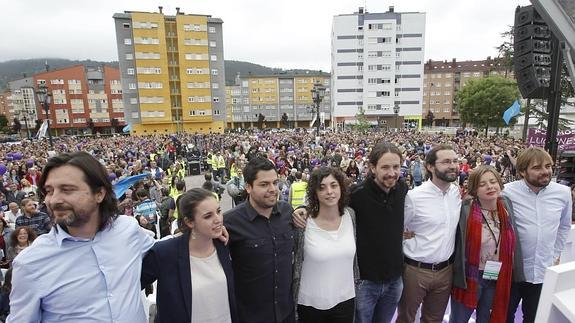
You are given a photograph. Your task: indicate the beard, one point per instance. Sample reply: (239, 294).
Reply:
(387, 181)
(539, 181)
(446, 176)
(67, 216)
(264, 202)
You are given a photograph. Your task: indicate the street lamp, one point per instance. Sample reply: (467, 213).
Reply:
(317, 93)
(396, 111)
(429, 93)
(24, 114)
(44, 98)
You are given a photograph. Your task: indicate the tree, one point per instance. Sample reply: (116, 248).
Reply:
(505, 59)
(505, 52)
(537, 112)
(482, 102)
(362, 123)
(261, 119)
(3, 123)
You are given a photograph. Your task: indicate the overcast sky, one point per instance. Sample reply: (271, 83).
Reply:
(286, 34)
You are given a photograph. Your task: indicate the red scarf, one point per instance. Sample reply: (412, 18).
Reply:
(506, 249)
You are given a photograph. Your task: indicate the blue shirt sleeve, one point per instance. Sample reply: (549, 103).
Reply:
(25, 301)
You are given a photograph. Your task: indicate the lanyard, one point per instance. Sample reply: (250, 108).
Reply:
(497, 240)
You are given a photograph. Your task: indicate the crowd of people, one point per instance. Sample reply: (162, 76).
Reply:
(342, 227)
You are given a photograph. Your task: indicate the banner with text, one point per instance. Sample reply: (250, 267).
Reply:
(565, 138)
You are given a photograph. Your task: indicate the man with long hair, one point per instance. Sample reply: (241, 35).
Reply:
(88, 266)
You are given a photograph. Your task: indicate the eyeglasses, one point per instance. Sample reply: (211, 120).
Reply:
(448, 162)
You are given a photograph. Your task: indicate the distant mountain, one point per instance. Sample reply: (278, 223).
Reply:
(17, 69)
(246, 68)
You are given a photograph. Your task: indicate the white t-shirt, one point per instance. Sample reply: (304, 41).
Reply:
(327, 269)
(210, 302)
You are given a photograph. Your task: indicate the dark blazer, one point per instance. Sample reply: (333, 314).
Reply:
(168, 262)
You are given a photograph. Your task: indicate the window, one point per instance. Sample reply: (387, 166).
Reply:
(127, 41)
(130, 71)
(133, 100)
(150, 85)
(196, 57)
(212, 43)
(212, 29)
(149, 70)
(216, 112)
(132, 86)
(213, 58)
(145, 25)
(144, 55)
(129, 56)
(215, 86)
(216, 99)
(57, 81)
(126, 25)
(214, 72)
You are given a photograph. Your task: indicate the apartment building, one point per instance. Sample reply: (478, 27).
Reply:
(442, 80)
(377, 68)
(172, 71)
(84, 100)
(21, 104)
(274, 96)
(4, 108)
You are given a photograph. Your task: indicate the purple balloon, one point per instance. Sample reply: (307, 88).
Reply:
(112, 176)
(17, 156)
(2, 169)
(9, 158)
(30, 163)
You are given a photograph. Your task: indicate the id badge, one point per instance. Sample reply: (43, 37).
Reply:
(491, 271)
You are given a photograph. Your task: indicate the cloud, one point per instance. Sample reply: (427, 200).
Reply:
(288, 34)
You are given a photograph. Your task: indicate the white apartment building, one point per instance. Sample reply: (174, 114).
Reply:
(377, 64)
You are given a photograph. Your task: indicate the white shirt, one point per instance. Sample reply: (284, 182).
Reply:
(327, 269)
(543, 223)
(210, 303)
(10, 217)
(433, 215)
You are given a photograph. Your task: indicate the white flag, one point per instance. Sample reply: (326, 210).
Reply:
(43, 129)
(313, 121)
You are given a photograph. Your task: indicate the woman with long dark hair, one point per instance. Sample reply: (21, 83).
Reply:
(193, 270)
(325, 266)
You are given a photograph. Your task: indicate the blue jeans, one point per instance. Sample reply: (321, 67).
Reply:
(377, 302)
(485, 295)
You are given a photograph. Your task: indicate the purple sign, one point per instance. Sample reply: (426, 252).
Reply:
(565, 138)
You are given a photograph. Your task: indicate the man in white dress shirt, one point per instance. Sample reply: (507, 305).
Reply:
(542, 212)
(431, 214)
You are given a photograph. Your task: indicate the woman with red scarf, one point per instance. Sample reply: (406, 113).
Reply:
(486, 252)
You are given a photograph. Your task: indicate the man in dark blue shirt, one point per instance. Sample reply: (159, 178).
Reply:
(261, 245)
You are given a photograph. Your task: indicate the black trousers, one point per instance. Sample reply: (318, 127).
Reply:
(527, 292)
(341, 313)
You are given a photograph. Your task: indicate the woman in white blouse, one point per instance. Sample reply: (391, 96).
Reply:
(193, 270)
(325, 266)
